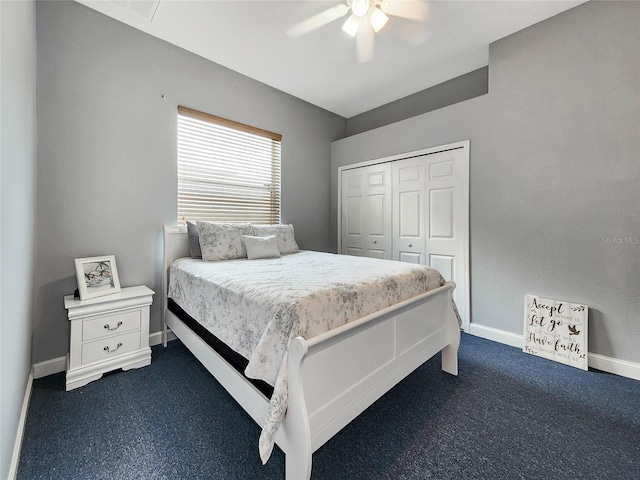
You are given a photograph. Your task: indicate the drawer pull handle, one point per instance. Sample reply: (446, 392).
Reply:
(108, 350)
(108, 327)
(375, 241)
(410, 245)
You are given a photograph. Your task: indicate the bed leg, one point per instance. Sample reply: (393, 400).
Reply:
(297, 466)
(450, 352)
(450, 359)
(164, 333)
(299, 453)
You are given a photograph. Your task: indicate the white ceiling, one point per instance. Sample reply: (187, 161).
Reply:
(321, 67)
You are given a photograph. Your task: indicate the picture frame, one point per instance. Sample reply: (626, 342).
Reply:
(556, 330)
(97, 276)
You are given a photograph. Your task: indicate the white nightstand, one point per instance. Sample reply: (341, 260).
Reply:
(108, 333)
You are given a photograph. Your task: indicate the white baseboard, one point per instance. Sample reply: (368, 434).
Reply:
(599, 362)
(156, 338)
(49, 367)
(57, 365)
(615, 366)
(17, 445)
(500, 336)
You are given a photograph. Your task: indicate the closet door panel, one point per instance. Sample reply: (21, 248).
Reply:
(409, 213)
(378, 231)
(376, 223)
(441, 221)
(366, 211)
(446, 194)
(375, 215)
(373, 253)
(352, 220)
(445, 264)
(411, 257)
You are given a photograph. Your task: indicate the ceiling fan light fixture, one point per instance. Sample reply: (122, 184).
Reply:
(360, 7)
(351, 25)
(378, 19)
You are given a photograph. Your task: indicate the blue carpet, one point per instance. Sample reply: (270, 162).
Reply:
(508, 415)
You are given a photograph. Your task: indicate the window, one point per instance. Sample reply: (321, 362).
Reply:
(227, 171)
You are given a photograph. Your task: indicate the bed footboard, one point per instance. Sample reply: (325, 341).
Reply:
(335, 376)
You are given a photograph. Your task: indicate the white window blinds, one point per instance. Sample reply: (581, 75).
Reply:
(227, 171)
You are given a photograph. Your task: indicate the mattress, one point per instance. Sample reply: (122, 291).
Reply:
(257, 307)
(233, 358)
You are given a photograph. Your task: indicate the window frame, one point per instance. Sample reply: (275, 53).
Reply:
(193, 188)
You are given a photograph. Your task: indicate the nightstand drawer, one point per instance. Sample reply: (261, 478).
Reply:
(107, 325)
(110, 347)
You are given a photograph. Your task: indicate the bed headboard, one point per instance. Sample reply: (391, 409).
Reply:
(176, 245)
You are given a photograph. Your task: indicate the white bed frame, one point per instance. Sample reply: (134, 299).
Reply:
(335, 376)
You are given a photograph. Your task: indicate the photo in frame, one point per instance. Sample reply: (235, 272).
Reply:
(97, 276)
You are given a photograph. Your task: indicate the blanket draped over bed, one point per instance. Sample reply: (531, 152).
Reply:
(258, 306)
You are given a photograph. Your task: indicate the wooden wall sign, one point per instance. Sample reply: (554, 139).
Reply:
(556, 330)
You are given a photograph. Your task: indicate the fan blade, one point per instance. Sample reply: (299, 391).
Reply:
(351, 25)
(318, 20)
(411, 9)
(365, 41)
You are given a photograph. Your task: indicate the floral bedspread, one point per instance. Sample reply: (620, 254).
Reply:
(258, 306)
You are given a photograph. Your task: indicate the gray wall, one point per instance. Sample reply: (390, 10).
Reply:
(464, 87)
(107, 166)
(555, 171)
(17, 217)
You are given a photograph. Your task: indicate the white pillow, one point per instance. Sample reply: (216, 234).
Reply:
(223, 241)
(261, 247)
(284, 236)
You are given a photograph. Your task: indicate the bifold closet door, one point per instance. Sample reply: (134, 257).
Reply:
(446, 195)
(366, 211)
(414, 209)
(409, 214)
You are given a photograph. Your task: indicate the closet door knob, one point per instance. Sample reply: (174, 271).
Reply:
(410, 245)
(375, 241)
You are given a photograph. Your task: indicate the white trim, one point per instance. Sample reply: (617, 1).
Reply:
(59, 364)
(615, 366)
(500, 336)
(156, 338)
(402, 156)
(466, 322)
(597, 361)
(49, 367)
(17, 446)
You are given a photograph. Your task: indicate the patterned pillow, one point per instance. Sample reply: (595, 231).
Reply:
(223, 241)
(284, 236)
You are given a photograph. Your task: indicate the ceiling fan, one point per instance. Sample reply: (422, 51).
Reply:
(367, 18)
